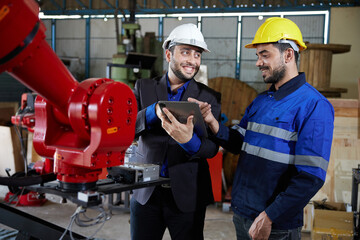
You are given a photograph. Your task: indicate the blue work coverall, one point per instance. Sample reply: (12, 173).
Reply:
(284, 141)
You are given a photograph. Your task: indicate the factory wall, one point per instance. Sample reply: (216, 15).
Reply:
(344, 29)
(222, 41)
(226, 59)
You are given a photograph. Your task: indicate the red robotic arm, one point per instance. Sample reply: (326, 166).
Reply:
(83, 126)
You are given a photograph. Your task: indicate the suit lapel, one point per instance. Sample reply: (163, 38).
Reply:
(161, 89)
(192, 90)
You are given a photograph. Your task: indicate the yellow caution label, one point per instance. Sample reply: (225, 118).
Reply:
(4, 11)
(58, 156)
(112, 130)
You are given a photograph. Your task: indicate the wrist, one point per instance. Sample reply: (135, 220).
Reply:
(214, 126)
(268, 219)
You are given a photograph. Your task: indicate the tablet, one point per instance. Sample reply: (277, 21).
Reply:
(182, 110)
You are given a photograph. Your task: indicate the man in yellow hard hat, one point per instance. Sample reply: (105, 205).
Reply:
(284, 140)
(179, 149)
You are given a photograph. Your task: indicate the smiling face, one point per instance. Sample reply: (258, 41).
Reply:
(184, 62)
(271, 63)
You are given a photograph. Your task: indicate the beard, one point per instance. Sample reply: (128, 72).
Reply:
(176, 68)
(277, 74)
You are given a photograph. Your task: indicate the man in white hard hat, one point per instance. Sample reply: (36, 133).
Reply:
(180, 151)
(284, 140)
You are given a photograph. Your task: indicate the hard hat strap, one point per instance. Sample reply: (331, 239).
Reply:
(193, 42)
(291, 42)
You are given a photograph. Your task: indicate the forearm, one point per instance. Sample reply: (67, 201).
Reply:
(229, 139)
(208, 149)
(301, 189)
(214, 126)
(192, 146)
(146, 119)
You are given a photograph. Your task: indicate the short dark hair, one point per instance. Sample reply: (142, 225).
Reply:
(283, 46)
(171, 49)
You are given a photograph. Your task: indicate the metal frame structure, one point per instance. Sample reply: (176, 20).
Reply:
(354, 200)
(90, 9)
(31, 227)
(82, 7)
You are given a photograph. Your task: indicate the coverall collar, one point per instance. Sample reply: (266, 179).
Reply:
(288, 87)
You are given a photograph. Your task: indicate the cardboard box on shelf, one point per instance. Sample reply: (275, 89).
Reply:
(332, 222)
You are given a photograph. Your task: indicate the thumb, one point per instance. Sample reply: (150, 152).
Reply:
(190, 120)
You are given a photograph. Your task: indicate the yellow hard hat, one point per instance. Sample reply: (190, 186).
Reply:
(276, 29)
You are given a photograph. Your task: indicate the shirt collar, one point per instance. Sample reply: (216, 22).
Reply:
(182, 88)
(288, 87)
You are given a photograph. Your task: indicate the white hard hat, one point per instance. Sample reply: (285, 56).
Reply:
(187, 34)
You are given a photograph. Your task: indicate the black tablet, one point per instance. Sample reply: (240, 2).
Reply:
(182, 110)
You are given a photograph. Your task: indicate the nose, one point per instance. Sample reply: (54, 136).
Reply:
(259, 62)
(192, 58)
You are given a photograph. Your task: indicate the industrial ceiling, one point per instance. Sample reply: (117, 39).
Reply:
(96, 7)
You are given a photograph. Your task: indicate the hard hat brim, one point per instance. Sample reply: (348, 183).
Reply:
(253, 45)
(250, 45)
(203, 46)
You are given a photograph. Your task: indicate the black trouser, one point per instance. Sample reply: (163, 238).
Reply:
(149, 221)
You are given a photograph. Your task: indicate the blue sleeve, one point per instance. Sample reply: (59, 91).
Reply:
(192, 146)
(293, 200)
(232, 138)
(313, 147)
(151, 117)
(229, 138)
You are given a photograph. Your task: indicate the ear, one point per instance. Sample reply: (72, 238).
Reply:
(289, 55)
(168, 55)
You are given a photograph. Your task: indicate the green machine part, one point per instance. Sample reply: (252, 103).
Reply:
(147, 45)
(119, 73)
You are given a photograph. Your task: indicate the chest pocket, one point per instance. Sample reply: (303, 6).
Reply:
(286, 124)
(283, 118)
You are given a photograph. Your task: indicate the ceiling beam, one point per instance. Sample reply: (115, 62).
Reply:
(59, 7)
(165, 4)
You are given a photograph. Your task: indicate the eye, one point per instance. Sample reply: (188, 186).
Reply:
(197, 55)
(185, 52)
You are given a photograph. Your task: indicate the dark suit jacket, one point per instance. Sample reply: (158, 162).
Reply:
(189, 175)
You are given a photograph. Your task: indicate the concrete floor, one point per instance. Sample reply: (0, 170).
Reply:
(218, 224)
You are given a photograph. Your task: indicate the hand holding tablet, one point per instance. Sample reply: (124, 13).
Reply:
(182, 110)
